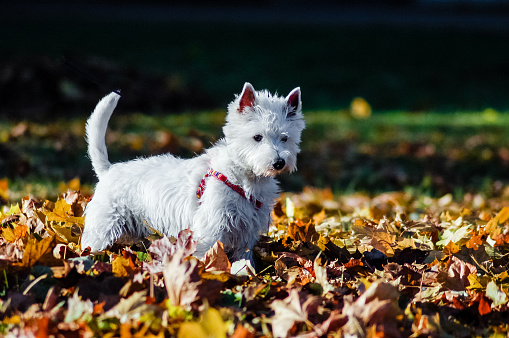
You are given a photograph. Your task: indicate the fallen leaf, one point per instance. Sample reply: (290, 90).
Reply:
(181, 279)
(35, 250)
(215, 259)
(304, 232)
(474, 242)
(14, 234)
(289, 311)
(122, 266)
(497, 296)
(484, 307)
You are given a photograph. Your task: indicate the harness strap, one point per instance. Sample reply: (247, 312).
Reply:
(217, 175)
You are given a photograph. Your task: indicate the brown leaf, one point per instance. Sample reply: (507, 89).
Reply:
(455, 275)
(215, 259)
(291, 310)
(335, 321)
(377, 305)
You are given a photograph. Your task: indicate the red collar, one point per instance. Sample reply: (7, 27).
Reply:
(224, 179)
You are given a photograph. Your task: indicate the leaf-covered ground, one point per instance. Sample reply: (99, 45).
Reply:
(392, 265)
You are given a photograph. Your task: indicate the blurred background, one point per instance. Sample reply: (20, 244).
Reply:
(398, 95)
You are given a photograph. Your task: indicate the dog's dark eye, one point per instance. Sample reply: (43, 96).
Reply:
(284, 138)
(258, 138)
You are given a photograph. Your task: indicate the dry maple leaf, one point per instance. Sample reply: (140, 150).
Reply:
(492, 228)
(35, 250)
(163, 247)
(181, 279)
(378, 305)
(474, 242)
(215, 259)
(122, 266)
(292, 310)
(455, 277)
(14, 234)
(304, 232)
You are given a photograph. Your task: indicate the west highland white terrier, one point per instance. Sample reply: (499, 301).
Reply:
(225, 194)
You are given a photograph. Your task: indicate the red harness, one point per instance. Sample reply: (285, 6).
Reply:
(224, 179)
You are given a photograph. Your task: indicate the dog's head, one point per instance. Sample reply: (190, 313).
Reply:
(263, 131)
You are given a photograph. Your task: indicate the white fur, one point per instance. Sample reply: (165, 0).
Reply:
(161, 191)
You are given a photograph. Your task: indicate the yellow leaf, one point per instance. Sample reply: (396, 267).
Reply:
(451, 248)
(500, 218)
(122, 266)
(477, 282)
(216, 275)
(62, 212)
(12, 320)
(213, 323)
(191, 330)
(503, 277)
(14, 210)
(210, 325)
(34, 250)
(65, 233)
(12, 235)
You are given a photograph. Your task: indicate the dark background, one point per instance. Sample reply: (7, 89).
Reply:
(188, 55)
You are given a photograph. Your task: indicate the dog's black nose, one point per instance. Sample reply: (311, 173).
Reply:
(279, 164)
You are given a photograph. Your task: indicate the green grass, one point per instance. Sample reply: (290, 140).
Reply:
(434, 153)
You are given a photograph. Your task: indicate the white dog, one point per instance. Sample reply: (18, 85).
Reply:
(225, 194)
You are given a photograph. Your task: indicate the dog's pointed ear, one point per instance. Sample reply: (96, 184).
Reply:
(293, 101)
(247, 97)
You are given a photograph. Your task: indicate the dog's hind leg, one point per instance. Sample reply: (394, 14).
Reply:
(103, 226)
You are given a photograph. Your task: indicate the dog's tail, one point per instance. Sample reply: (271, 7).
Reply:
(96, 133)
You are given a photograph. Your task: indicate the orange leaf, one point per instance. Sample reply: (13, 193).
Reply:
(242, 332)
(474, 242)
(352, 263)
(319, 217)
(484, 306)
(99, 308)
(304, 232)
